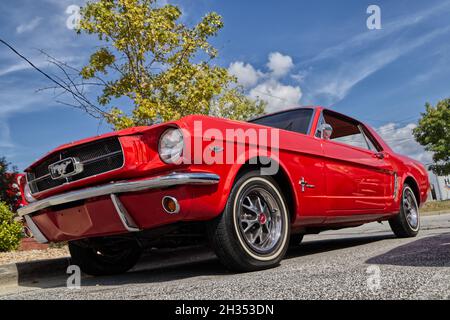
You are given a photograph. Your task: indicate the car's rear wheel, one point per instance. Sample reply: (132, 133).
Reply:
(105, 259)
(253, 231)
(407, 223)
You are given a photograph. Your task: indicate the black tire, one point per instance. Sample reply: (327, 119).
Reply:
(403, 224)
(296, 239)
(105, 261)
(229, 240)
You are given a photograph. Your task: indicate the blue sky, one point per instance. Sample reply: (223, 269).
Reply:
(286, 52)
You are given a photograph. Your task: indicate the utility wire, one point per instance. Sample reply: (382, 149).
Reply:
(75, 94)
(67, 87)
(31, 64)
(271, 95)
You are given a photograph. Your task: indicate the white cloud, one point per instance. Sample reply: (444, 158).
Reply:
(245, 73)
(335, 83)
(368, 37)
(21, 66)
(353, 60)
(300, 76)
(267, 85)
(40, 62)
(277, 95)
(66, 3)
(14, 68)
(5, 134)
(29, 26)
(279, 64)
(401, 140)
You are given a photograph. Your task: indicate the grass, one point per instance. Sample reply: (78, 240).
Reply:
(431, 206)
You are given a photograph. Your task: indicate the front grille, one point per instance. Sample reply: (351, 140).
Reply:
(97, 157)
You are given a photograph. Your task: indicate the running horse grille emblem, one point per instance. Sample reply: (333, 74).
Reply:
(65, 168)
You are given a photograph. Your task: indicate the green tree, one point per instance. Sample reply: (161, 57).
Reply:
(433, 132)
(159, 63)
(7, 180)
(10, 230)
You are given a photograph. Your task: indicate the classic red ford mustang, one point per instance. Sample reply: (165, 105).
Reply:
(250, 188)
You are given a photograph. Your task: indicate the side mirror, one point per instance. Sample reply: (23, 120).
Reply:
(326, 131)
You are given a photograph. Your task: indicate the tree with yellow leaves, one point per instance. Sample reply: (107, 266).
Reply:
(161, 65)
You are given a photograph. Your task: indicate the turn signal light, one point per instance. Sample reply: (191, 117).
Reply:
(170, 205)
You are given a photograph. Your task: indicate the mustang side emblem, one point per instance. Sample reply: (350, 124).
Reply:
(304, 184)
(65, 168)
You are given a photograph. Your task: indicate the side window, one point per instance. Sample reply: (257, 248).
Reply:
(348, 132)
(355, 140)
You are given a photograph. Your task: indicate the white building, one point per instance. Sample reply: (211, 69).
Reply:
(440, 187)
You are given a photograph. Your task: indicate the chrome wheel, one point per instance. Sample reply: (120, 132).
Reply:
(260, 220)
(411, 208)
(253, 231)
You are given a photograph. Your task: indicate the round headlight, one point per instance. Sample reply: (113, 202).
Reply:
(171, 144)
(27, 193)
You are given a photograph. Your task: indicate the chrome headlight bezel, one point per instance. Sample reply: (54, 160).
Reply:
(27, 194)
(171, 146)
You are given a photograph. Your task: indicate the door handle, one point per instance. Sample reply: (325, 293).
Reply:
(379, 155)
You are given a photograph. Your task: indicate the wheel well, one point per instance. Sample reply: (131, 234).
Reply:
(280, 177)
(415, 188)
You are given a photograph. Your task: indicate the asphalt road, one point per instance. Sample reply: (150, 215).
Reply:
(359, 263)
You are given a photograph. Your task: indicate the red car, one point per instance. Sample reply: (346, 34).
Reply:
(248, 187)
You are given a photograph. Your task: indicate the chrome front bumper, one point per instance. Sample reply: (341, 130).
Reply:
(169, 180)
(111, 190)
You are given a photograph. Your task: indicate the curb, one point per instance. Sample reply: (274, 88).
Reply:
(435, 213)
(16, 273)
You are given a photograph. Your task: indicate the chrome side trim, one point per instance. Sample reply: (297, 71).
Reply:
(104, 156)
(395, 185)
(124, 216)
(311, 122)
(169, 180)
(40, 178)
(37, 234)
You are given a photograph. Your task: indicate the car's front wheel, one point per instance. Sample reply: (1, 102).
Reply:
(105, 259)
(253, 231)
(407, 223)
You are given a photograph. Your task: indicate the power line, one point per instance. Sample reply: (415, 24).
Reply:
(31, 64)
(271, 95)
(404, 120)
(398, 139)
(76, 95)
(410, 118)
(82, 100)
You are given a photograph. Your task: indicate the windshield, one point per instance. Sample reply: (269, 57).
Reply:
(295, 120)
